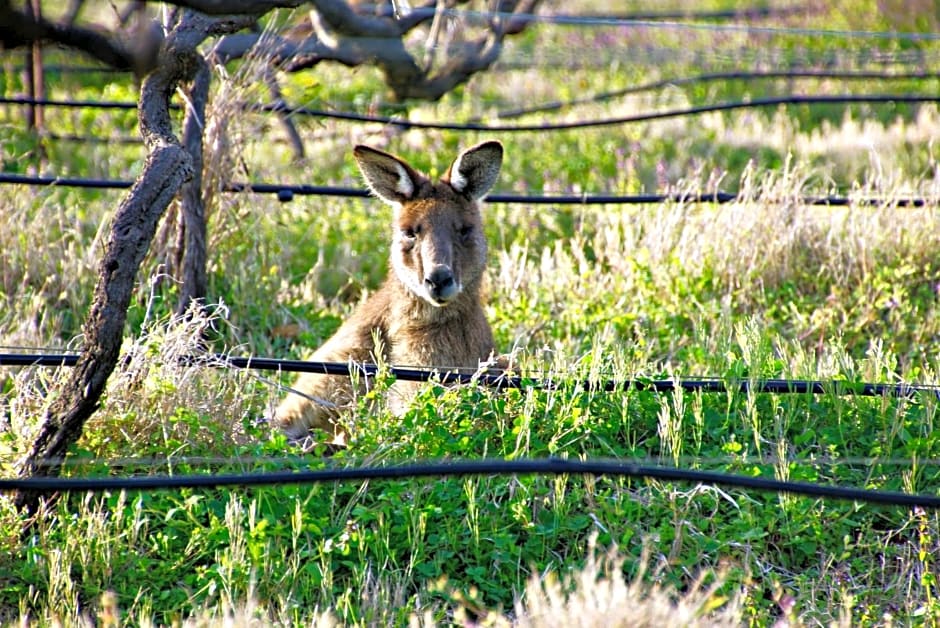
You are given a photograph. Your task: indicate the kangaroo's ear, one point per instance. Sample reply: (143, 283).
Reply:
(475, 170)
(389, 178)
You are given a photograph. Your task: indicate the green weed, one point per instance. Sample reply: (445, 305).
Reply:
(762, 288)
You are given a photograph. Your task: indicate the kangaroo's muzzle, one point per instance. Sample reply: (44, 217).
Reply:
(441, 284)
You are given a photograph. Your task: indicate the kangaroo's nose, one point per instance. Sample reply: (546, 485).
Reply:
(440, 283)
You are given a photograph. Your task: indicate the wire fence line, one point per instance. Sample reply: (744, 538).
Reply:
(712, 77)
(841, 99)
(478, 126)
(171, 462)
(551, 106)
(590, 18)
(488, 467)
(287, 192)
(72, 104)
(598, 59)
(505, 381)
(584, 58)
(463, 468)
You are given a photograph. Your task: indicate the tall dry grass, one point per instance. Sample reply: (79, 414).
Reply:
(579, 290)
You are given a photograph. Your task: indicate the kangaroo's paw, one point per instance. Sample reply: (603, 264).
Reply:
(298, 414)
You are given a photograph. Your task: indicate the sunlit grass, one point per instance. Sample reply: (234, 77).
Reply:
(764, 287)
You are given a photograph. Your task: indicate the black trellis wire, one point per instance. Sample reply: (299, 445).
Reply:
(504, 381)
(749, 13)
(841, 99)
(549, 466)
(602, 59)
(71, 104)
(145, 464)
(565, 59)
(709, 77)
(558, 105)
(117, 139)
(592, 19)
(286, 193)
(704, 25)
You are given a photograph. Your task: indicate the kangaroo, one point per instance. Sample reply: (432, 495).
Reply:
(428, 311)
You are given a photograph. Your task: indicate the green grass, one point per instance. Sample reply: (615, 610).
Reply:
(764, 287)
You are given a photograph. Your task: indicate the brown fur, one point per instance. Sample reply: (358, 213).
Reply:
(428, 312)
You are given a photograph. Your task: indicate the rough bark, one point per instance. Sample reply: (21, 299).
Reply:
(134, 224)
(193, 220)
(20, 28)
(167, 167)
(136, 50)
(340, 32)
(343, 32)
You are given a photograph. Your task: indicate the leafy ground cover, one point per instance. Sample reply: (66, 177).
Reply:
(765, 287)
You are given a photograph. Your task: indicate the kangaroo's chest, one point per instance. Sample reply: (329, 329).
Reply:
(463, 342)
(449, 346)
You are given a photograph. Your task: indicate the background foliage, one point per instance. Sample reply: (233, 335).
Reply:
(766, 287)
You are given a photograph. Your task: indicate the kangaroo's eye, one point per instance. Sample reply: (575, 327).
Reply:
(410, 233)
(466, 231)
(409, 236)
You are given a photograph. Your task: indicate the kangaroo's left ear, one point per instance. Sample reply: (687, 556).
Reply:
(389, 177)
(475, 170)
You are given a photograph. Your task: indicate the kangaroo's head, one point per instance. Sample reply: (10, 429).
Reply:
(438, 247)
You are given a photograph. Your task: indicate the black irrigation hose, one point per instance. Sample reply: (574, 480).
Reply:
(550, 466)
(66, 182)
(503, 382)
(586, 124)
(591, 19)
(70, 104)
(749, 13)
(500, 381)
(557, 105)
(95, 139)
(285, 193)
(486, 467)
(556, 126)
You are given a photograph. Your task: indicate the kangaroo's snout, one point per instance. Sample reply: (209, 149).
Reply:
(441, 285)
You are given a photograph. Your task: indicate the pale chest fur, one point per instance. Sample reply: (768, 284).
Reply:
(419, 334)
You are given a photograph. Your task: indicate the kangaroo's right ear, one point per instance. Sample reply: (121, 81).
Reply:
(389, 178)
(475, 170)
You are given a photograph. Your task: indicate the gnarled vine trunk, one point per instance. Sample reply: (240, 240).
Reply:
(338, 30)
(168, 166)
